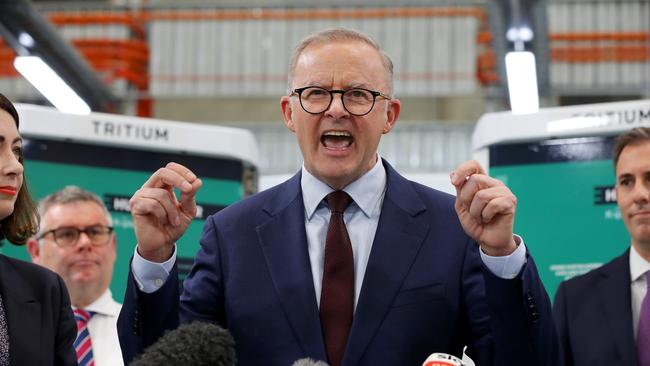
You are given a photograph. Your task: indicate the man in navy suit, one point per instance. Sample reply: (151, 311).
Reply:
(426, 272)
(597, 314)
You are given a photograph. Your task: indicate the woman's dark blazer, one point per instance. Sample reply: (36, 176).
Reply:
(41, 325)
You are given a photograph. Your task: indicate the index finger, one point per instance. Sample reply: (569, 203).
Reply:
(172, 175)
(182, 170)
(462, 172)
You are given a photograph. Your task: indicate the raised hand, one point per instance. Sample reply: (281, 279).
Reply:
(485, 207)
(159, 218)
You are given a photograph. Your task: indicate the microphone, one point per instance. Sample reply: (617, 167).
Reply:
(197, 344)
(442, 359)
(309, 362)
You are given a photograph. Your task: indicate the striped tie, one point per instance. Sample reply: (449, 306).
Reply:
(82, 344)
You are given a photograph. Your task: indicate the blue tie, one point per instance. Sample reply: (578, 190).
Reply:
(82, 345)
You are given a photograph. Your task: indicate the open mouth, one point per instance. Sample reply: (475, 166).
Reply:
(336, 140)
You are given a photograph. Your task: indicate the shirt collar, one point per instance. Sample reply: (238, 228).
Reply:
(365, 191)
(104, 305)
(638, 265)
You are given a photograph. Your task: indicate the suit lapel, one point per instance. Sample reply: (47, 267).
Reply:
(284, 243)
(23, 313)
(399, 235)
(615, 294)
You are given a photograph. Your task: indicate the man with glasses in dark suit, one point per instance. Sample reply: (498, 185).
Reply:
(347, 262)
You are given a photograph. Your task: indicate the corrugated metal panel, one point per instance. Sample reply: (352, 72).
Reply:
(433, 55)
(608, 61)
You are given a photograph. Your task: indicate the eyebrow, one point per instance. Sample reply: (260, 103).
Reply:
(352, 85)
(17, 139)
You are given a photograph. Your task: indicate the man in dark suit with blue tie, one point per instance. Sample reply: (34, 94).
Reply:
(603, 316)
(346, 262)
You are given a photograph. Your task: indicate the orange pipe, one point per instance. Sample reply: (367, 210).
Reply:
(600, 36)
(484, 37)
(116, 54)
(131, 44)
(313, 14)
(103, 18)
(136, 19)
(8, 70)
(600, 54)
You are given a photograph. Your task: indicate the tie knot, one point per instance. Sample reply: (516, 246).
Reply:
(82, 315)
(338, 201)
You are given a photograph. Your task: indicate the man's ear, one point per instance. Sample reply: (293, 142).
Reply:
(287, 112)
(392, 113)
(34, 250)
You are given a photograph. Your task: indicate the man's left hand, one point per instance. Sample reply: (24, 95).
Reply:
(486, 208)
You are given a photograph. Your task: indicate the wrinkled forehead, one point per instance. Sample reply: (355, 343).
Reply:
(345, 62)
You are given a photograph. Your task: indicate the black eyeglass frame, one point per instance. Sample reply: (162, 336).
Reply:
(374, 94)
(85, 230)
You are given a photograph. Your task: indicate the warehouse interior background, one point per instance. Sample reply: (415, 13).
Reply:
(224, 62)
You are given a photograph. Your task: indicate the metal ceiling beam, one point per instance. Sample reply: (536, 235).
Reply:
(31, 34)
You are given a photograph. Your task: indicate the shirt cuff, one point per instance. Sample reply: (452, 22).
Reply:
(508, 266)
(150, 276)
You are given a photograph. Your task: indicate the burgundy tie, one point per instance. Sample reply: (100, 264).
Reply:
(643, 335)
(337, 295)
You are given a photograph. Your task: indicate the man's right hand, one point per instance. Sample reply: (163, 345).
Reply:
(159, 218)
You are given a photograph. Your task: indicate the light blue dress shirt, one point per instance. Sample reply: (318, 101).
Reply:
(361, 219)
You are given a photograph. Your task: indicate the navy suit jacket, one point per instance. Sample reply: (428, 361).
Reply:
(593, 315)
(425, 288)
(39, 316)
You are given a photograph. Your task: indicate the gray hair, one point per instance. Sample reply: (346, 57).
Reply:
(340, 34)
(71, 194)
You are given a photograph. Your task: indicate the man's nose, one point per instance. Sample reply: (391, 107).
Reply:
(83, 241)
(642, 192)
(337, 109)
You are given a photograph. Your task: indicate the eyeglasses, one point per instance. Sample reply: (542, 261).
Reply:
(67, 236)
(357, 101)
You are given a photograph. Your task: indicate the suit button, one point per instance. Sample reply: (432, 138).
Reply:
(534, 316)
(529, 297)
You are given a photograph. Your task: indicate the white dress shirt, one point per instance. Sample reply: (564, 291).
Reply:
(638, 268)
(361, 219)
(103, 330)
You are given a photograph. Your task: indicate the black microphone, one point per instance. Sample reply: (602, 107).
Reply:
(309, 362)
(197, 344)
